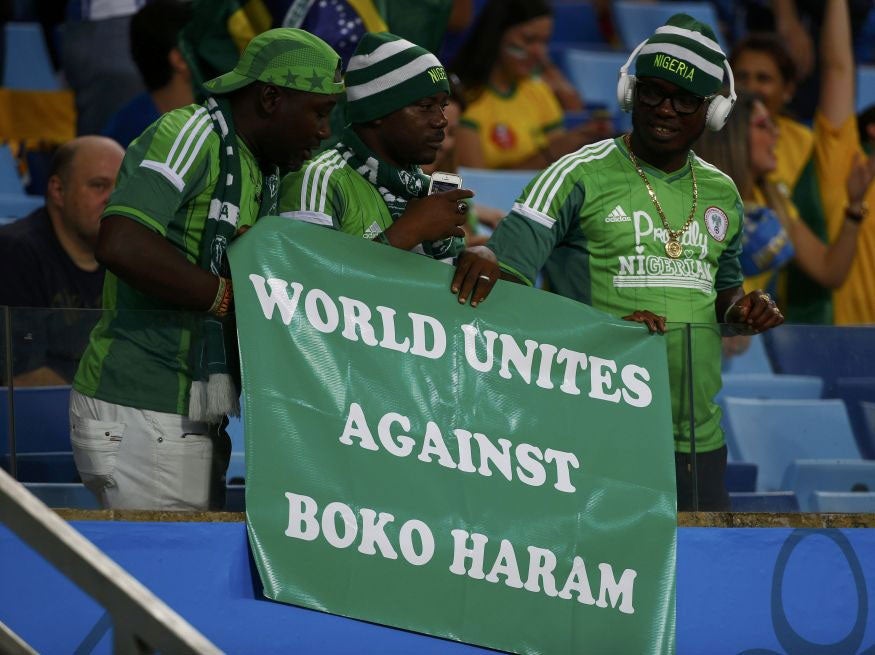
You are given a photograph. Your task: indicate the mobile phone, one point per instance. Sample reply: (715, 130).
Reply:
(441, 181)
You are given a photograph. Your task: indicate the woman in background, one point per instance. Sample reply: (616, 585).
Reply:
(773, 232)
(514, 119)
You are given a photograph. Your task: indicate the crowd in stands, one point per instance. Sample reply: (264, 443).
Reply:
(182, 90)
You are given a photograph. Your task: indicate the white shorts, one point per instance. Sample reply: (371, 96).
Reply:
(139, 459)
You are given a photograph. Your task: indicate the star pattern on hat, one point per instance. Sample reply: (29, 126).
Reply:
(315, 80)
(291, 78)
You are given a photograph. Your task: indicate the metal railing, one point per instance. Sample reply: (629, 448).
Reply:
(142, 623)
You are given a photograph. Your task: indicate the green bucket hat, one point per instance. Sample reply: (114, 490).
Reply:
(684, 52)
(287, 57)
(387, 73)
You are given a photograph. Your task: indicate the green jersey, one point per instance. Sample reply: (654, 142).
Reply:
(591, 215)
(329, 191)
(138, 354)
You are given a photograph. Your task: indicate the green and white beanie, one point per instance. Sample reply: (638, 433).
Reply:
(684, 52)
(387, 73)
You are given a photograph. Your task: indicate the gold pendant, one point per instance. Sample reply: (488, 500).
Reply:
(673, 248)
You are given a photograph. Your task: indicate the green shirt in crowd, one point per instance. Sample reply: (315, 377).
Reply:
(139, 353)
(591, 211)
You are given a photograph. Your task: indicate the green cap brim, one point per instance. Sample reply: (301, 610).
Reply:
(228, 82)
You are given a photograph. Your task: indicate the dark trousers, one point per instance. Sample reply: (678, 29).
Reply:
(711, 487)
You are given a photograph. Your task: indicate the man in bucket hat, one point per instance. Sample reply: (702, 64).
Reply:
(153, 388)
(370, 184)
(647, 231)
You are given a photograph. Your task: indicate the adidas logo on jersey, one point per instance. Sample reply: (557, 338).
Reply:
(617, 215)
(372, 231)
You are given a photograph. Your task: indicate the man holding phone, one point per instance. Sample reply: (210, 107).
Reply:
(370, 183)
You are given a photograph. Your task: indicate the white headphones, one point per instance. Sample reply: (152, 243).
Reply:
(718, 111)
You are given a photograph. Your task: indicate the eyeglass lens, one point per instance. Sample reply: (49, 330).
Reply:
(682, 103)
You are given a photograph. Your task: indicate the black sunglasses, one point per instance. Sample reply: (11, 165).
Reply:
(682, 102)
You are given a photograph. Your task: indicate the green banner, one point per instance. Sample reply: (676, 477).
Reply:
(501, 476)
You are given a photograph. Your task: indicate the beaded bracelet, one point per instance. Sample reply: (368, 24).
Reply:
(224, 295)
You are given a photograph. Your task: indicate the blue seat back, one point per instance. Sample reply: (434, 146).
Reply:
(774, 433)
(825, 350)
(767, 501)
(843, 501)
(594, 74)
(759, 385)
(856, 391)
(53, 467)
(42, 421)
(10, 181)
(741, 476)
(753, 360)
(27, 64)
(636, 20)
(575, 22)
(867, 413)
(805, 476)
(865, 86)
(495, 188)
(72, 495)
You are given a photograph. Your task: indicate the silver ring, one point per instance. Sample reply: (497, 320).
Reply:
(486, 277)
(461, 208)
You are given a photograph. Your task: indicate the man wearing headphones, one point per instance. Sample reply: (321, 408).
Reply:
(651, 233)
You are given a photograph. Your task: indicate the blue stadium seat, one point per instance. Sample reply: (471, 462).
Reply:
(42, 421)
(774, 433)
(636, 21)
(235, 431)
(236, 473)
(843, 501)
(865, 87)
(13, 207)
(867, 412)
(753, 360)
(57, 467)
(70, 495)
(764, 386)
(764, 501)
(855, 391)
(594, 74)
(740, 476)
(759, 385)
(10, 181)
(494, 188)
(27, 63)
(805, 476)
(14, 202)
(825, 350)
(575, 22)
(235, 498)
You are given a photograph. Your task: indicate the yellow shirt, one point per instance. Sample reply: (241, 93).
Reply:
(793, 150)
(854, 301)
(514, 127)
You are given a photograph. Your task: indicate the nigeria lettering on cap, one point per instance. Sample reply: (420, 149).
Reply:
(678, 66)
(437, 74)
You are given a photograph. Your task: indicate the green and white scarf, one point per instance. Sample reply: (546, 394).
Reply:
(215, 379)
(396, 186)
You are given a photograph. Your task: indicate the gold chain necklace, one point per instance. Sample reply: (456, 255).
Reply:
(673, 246)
